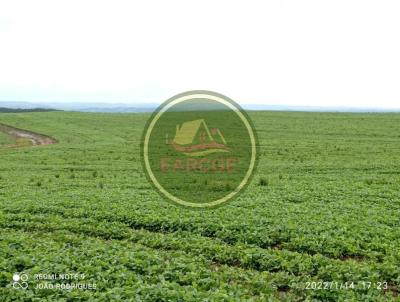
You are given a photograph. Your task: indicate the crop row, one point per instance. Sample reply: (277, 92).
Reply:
(298, 268)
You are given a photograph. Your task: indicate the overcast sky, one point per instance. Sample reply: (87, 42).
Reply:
(320, 53)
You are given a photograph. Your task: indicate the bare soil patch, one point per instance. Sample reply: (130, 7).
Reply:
(21, 135)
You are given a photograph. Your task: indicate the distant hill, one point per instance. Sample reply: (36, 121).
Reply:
(150, 107)
(19, 110)
(257, 107)
(116, 109)
(83, 107)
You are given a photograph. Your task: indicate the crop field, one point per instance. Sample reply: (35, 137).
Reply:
(5, 139)
(319, 222)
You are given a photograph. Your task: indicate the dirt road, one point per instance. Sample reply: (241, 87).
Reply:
(35, 139)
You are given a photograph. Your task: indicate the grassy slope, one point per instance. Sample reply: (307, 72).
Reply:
(329, 212)
(5, 139)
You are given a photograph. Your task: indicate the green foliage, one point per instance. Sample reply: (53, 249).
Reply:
(5, 139)
(263, 182)
(328, 211)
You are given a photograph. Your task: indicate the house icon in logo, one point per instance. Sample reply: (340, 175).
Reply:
(194, 138)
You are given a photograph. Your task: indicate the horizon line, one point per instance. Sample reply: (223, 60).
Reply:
(152, 105)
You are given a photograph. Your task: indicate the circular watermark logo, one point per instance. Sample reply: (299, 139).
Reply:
(199, 149)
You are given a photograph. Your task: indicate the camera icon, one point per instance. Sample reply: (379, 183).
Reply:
(20, 281)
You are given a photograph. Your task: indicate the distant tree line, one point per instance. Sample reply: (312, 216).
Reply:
(13, 110)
